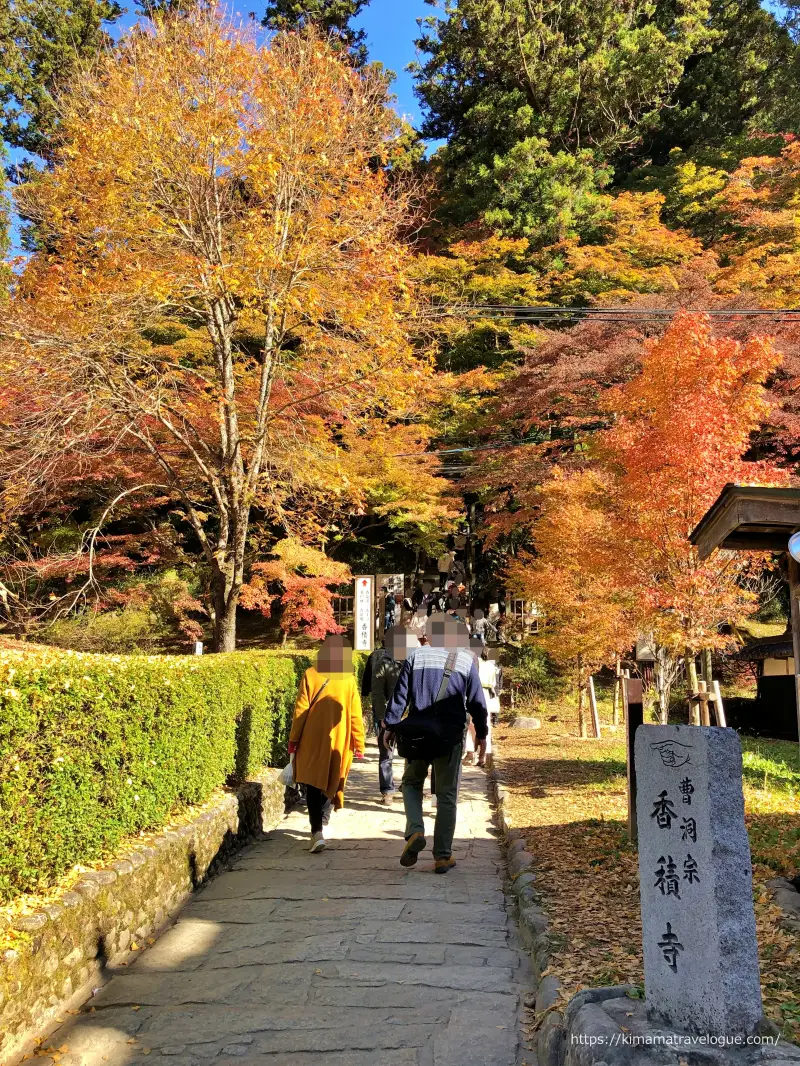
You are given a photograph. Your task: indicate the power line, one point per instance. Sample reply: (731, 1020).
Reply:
(532, 313)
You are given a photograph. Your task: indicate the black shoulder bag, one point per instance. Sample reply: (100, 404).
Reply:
(425, 735)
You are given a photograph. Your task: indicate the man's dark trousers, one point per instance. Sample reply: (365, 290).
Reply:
(447, 775)
(385, 755)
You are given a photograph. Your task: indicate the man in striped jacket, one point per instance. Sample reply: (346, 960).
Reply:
(417, 691)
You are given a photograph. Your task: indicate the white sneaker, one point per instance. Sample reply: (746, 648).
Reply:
(318, 843)
(387, 799)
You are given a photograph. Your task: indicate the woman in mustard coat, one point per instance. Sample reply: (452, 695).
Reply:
(327, 732)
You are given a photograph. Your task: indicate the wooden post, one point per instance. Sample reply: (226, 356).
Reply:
(581, 710)
(633, 701)
(691, 678)
(719, 707)
(703, 696)
(617, 687)
(794, 592)
(593, 708)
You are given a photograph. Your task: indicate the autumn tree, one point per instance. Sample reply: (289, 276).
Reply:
(760, 249)
(5, 238)
(572, 577)
(306, 579)
(238, 192)
(681, 429)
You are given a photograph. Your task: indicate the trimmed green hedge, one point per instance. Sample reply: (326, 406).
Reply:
(96, 747)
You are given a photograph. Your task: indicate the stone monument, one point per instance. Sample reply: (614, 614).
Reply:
(700, 950)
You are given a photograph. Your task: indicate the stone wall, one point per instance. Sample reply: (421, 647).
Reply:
(111, 912)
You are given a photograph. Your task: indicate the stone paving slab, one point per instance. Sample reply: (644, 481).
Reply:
(337, 959)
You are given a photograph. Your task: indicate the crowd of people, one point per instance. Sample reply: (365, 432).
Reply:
(434, 694)
(412, 612)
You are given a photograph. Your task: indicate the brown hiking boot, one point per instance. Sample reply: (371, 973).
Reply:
(441, 866)
(414, 845)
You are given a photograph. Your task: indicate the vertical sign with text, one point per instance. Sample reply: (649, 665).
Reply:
(700, 954)
(364, 613)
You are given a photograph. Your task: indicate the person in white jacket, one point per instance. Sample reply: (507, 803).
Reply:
(489, 677)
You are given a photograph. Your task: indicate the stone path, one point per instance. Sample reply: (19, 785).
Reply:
(338, 959)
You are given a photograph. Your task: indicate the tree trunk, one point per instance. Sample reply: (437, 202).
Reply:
(617, 688)
(691, 677)
(708, 669)
(226, 600)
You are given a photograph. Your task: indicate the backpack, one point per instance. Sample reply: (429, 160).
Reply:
(427, 735)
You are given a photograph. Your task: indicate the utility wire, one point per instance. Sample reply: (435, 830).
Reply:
(603, 314)
(533, 313)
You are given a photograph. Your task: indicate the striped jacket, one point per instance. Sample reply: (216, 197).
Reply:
(418, 686)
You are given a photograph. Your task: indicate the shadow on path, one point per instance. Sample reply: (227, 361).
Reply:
(337, 959)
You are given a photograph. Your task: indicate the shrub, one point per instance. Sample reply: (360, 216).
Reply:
(93, 748)
(114, 632)
(145, 616)
(535, 675)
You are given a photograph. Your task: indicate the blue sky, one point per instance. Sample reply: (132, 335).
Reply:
(391, 28)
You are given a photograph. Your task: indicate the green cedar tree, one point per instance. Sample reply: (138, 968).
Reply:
(535, 96)
(333, 17)
(41, 44)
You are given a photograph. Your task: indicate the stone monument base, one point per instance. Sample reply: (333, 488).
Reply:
(605, 1025)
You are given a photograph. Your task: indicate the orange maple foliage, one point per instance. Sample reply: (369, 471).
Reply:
(682, 426)
(613, 556)
(234, 192)
(307, 578)
(573, 577)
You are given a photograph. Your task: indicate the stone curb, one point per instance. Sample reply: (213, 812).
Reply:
(111, 913)
(553, 1034)
(787, 898)
(533, 923)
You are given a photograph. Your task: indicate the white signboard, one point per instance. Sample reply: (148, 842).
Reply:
(645, 650)
(364, 610)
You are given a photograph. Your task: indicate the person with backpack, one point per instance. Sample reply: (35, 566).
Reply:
(327, 731)
(438, 686)
(399, 643)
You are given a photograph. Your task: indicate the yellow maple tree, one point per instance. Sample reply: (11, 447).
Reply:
(240, 191)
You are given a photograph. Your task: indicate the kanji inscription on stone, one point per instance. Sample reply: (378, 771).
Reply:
(700, 954)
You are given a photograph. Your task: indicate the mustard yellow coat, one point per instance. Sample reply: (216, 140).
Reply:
(329, 734)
